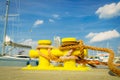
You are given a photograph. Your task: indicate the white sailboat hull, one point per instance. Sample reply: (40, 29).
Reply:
(14, 61)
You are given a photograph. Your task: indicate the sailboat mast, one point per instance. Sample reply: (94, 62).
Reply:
(5, 26)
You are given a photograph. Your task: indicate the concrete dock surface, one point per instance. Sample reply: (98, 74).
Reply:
(16, 73)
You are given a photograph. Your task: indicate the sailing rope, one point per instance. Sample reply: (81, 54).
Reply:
(79, 45)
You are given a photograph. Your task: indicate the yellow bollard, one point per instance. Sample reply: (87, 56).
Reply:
(43, 62)
(33, 53)
(43, 47)
(71, 63)
(67, 57)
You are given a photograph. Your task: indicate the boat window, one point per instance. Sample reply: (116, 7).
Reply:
(105, 56)
(23, 56)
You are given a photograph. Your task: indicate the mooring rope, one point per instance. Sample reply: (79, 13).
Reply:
(81, 46)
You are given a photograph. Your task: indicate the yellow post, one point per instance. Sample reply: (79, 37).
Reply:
(68, 56)
(71, 63)
(43, 47)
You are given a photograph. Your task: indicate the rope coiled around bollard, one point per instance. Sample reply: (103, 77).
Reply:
(81, 46)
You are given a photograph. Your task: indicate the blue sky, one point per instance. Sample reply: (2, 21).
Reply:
(97, 22)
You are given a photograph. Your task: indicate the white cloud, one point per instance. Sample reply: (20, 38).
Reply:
(109, 10)
(30, 42)
(97, 37)
(91, 34)
(38, 22)
(51, 20)
(56, 16)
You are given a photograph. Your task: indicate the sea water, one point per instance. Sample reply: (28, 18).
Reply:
(19, 63)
